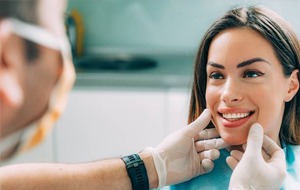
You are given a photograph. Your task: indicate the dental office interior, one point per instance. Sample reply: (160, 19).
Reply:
(134, 64)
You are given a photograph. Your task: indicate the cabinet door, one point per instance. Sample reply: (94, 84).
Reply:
(105, 123)
(177, 108)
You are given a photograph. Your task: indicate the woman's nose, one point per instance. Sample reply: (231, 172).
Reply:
(231, 92)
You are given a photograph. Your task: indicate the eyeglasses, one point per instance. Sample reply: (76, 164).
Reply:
(33, 33)
(39, 36)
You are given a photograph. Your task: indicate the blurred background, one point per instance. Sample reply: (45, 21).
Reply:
(168, 26)
(134, 62)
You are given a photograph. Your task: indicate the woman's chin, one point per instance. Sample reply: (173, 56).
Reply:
(234, 141)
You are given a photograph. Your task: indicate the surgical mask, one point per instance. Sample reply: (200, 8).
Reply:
(58, 98)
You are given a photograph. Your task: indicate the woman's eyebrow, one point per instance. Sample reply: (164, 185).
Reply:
(242, 64)
(251, 61)
(215, 65)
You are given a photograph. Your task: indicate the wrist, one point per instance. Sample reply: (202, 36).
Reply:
(147, 158)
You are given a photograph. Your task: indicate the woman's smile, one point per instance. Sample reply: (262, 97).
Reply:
(232, 119)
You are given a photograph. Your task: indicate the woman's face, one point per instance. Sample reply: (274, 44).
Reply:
(245, 85)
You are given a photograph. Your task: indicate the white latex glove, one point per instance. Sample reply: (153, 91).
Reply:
(251, 171)
(187, 153)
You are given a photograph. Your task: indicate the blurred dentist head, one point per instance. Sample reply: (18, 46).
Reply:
(36, 70)
(247, 71)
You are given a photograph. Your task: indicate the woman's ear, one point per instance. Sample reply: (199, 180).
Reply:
(293, 86)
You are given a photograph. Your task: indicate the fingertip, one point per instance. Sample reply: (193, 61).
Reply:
(208, 165)
(215, 154)
(236, 154)
(211, 154)
(221, 144)
(205, 116)
(232, 153)
(206, 112)
(200, 123)
(228, 159)
(255, 138)
(244, 146)
(256, 128)
(231, 162)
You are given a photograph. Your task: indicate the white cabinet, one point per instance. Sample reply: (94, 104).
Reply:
(109, 122)
(102, 123)
(177, 103)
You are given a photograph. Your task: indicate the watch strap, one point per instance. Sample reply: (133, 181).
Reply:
(137, 172)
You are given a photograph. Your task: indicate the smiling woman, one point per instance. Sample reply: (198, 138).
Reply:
(246, 72)
(250, 45)
(240, 93)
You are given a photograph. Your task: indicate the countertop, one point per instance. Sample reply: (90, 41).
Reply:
(172, 71)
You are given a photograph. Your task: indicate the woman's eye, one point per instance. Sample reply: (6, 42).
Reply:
(216, 75)
(252, 74)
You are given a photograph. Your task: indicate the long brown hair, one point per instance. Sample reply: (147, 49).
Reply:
(287, 49)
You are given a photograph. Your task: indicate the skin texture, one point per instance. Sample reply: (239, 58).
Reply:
(259, 87)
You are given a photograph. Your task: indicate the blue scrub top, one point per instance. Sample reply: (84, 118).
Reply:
(220, 176)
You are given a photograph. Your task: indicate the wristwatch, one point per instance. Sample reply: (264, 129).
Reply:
(137, 172)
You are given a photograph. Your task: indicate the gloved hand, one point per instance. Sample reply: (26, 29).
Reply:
(187, 153)
(251, 170)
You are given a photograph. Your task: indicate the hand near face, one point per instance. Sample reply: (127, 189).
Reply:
(188, 152)
(254, 169)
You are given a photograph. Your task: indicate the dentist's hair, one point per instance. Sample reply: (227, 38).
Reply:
(286, 47)
(26, 11)
(22, 10)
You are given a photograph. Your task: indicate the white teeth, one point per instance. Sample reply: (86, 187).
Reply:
(235, 115)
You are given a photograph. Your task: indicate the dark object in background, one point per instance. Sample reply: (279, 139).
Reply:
(122, 63)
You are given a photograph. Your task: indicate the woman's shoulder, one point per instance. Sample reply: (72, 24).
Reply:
(292, 153)
(292, 150)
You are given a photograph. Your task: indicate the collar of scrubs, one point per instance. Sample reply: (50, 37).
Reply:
(15, 139)
(10, 142)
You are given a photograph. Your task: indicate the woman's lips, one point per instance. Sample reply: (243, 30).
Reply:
(233, 120)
